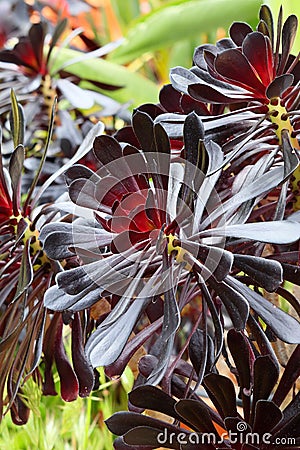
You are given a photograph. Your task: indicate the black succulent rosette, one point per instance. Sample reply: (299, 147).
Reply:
(160, 236)
(32, 340)
(254, 76)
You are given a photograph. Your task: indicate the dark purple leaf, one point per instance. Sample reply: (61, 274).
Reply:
(206, 93)
(150, 397)
(37, 34)
(291, 430)
(171, 322)
(201, 349)
(290, 158)
(291, 272)
(106, 149)
(83, 193)
(119, 444)
(265, 375)
(289, 377)
(144, 435)
(19, 411)
(58, 31)
(291, 411)
(222, 393)
(267, 273)
(143, 128)
(218, 328)
(68, 381)
(289, 31)
(233, 65)
(15, 170)
(79, 171)
(265, 15)
(26, 272)
(238, 31)
(233, 425)
(196, 414)
(279, 85)
(82, 368)
(277, 232)
(266, 416)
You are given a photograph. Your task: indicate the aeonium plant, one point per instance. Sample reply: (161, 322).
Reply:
(161, 238)
(32, 340)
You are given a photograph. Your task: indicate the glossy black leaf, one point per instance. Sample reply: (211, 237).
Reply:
(196, 414)
(235, 304)
(171, 322)
(291, 411)
(119, 444)
(222, 393)
(150, 397)
(238, 31)
(144, 435)
(233, 425)
(265, 272)
(82, 368)
(26, 272)
(265, 15)
(17, 121)
(265, 375)
(289, 377)
(143, 128)
(279, 85)
(107, 342)
(122, 422)
(243, 359)
(266, 416)
(291, 273)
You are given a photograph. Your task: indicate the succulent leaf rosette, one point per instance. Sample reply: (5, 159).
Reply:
(159, 230)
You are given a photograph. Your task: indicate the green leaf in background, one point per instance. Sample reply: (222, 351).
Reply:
(135, 90)
(181, 20)
(126, 11)
(288, 7)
